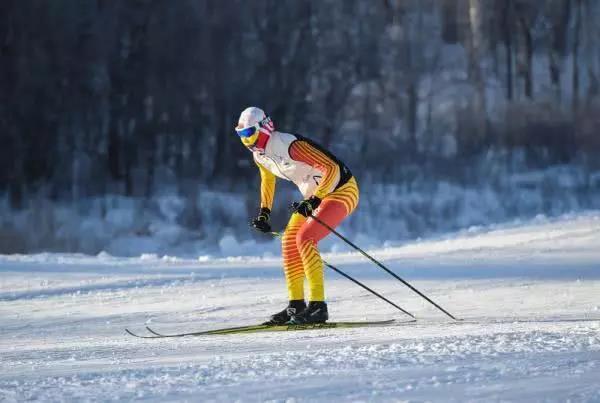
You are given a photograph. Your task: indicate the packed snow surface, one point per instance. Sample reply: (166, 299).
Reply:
(529, 294)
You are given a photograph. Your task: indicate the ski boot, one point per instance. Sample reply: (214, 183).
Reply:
(281, 318)
(315, 312)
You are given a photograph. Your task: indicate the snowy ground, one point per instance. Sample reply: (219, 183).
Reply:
(529, 294)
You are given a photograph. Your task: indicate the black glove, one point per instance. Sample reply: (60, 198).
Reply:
(306, 207)
(261, 222)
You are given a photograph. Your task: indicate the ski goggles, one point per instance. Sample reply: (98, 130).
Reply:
(247, 132)
(251, 131)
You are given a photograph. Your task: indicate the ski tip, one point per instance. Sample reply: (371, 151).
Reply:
(129, 332)
(154, 332)
(139, 336)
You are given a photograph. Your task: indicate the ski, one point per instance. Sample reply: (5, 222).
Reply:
(269, 328)
(332, 325)
(139, 335)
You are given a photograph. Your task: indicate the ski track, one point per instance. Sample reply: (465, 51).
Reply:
(529, 295)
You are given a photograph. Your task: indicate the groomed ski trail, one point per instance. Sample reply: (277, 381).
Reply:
(528, 294)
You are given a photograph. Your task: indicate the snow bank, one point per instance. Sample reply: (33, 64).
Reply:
(215, 223)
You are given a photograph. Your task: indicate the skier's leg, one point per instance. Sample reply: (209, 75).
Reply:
(333, 210)
(292, 262)
(294, 273)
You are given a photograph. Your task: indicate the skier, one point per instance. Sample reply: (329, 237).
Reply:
(330, 193)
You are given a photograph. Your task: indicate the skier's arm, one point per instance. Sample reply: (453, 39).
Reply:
(305, 152)
(267, 187)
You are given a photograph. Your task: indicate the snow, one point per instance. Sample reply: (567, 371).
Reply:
(215, 222)
(528, 292)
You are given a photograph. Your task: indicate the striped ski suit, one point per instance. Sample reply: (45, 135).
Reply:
(318, 173)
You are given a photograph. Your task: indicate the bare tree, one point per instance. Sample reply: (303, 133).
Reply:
(576, 45)
(477, 49)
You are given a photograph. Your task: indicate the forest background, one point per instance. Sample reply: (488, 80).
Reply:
(116, 117)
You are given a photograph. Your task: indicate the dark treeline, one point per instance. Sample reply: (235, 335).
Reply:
(119, 97)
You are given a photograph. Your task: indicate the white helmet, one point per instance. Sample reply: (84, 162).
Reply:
(251, 116)
(252, 121)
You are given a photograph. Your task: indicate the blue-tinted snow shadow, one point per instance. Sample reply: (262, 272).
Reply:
(164, 276)
(169, 281)
(471, 270)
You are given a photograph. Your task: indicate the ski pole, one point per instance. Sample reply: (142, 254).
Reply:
(371, 258)
(367, 288)
(278, 234)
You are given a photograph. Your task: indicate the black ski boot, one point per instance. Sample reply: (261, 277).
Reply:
(315, 312)
(281, 318)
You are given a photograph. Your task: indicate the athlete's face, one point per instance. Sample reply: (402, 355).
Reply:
(248, 135)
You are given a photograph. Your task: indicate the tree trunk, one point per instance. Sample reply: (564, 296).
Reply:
(526, 62)
(475, 58)
(576, 41)
(507, 36)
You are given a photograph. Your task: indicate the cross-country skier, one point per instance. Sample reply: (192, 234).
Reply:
(330, 193)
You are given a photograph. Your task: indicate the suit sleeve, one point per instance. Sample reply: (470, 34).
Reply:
(267, 186)
(305, 152)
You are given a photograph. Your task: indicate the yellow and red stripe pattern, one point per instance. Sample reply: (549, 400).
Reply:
(267, 187)
(301, 257)
(292, 261)
(304, 152)
(347, 194)
(313, 269)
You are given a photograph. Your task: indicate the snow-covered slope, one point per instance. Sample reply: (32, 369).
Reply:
(529, 294)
